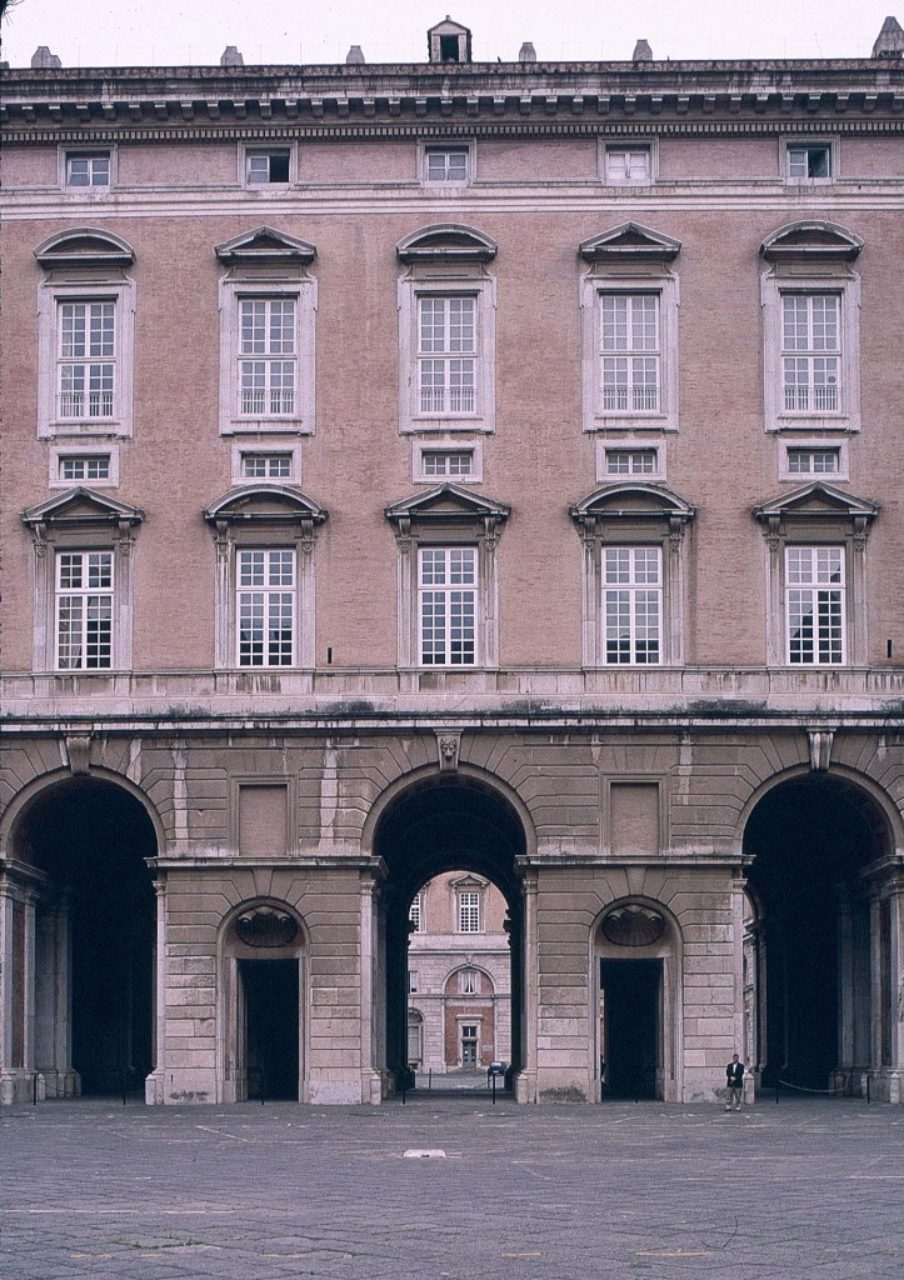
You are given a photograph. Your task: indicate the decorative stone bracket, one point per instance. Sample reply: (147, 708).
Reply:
(448, 745)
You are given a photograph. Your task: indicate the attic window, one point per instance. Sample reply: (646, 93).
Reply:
(449, 49)
(267, 167)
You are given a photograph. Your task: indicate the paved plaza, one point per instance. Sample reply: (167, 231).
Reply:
(278, 1192)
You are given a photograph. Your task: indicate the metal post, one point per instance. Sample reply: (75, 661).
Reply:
(777, 1087)
(493, 1078)
(868, 1098)
(34, 1089)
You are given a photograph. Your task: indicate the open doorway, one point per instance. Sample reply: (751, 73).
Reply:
(631, 1001)
(269, 990)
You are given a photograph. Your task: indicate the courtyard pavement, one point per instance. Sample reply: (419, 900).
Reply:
(791, 1190)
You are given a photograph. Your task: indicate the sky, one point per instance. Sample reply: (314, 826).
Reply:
(195, 32)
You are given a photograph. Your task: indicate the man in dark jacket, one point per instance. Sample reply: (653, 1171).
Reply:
(734, 1075)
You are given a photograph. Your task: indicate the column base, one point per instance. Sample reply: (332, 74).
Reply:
(20, 1085)
(153, 1089)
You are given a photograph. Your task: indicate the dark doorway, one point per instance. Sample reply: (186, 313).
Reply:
(631, 999)
(270, 990)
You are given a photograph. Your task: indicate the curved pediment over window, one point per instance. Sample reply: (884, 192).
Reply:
(264, 244)
(449, 242)
(817, 501)
(447, 504)
(811, 240)
(81, 507)
(84, 247)
(632, 502)
(264, 504)
(630, 242)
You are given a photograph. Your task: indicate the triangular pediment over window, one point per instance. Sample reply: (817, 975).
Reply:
(264, 244)
(817, 501)
(81, 507)
(264, 503)
(632, 502)
(630, 242)
(468, 881)
(811, 240)
(447, 504)
(447, 242)
(84, 247)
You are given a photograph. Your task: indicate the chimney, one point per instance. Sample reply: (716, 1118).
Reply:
(890, 40)
(231, 57)
(355, 56)
(642, 52)
(43, 60)
(527, 52)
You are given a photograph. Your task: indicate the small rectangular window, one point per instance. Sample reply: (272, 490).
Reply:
(448, 462)
(265, 608)
(815, 605)
(447, 593)
(414, 913)
(267, 167)
(468, 982)
(412, 981)
(632, 605)
(808, 162)
(629, 162)
(446, 164)
(267, 466)
(88, 169)
(469, 911)
(84, 610)
(76, 467)
(814, 462)
(632, 462)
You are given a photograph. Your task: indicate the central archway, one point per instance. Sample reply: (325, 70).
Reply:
(440, 823)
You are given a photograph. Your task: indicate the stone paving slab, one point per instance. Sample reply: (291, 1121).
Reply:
(616, 1192)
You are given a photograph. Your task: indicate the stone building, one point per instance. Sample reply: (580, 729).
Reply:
(477, 467)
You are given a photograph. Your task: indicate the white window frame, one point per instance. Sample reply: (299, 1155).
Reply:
(596, 287)
(468, 982)
(68, 153)
(640, 576)
(809, 445)
(483, 416)
(289, 448)
(58, 453)
(89, 562)
(788, 145)
(233, 292)
(52, 296)
(267, 595)
(626, 445)
(809, 571)
(426, 149)
(446, 444)
(416, 912)
(466, 1023)
(449, 592)
(775, 287)
(247, 150)
(468, 911)
(610, 146)
(227, 630)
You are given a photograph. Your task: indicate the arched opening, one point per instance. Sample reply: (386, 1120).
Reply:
(813, 933)
(637, 952)
(460, 837)
(262, 990)
(90, 912)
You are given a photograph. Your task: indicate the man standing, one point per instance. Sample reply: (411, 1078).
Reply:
(734, 1074)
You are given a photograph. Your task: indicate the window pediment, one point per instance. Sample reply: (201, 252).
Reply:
(811, 240)
(265, 504)
(84, 247)
(630, 242)
(817, 501)
(81, 507)
(265, 245)
(632, 502)
(447, 242)
(447, 504)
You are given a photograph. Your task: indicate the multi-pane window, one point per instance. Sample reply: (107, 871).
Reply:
(414, 913)
(809, 462)
(808, 162)
(267, 357)
(266, 466)
(263, 167)
(632, 604)
(469, 1033)
(628, 163)
(447, 605)
(814, 604)
(92, 169)
(446, 164)
(448, 462)
(811, 352)
(87, 359)
(447, 354)
(468, 982)
(631, 462)
(265, 608)
(630, 355)
(84, 610)
(89, 466)
(469, 911)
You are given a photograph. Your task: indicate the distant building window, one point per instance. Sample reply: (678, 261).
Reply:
(415, 1036)
(469, 1041)
(267, 466)
(811, 462)
(628, 163)
(815, 605)
(266, 608)
(632, 605)
(448, 462)
(468, 984)
(808, 162)
(447, 594)
(447, 164)
(468, 911)
(88, 169)
(76, 467)
(267, 167)
(84, 610)
(632, 462)
(412, 981)
(414, 913)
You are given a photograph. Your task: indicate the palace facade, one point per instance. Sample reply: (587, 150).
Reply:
(477, 467)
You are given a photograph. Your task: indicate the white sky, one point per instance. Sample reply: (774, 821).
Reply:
(195, 32)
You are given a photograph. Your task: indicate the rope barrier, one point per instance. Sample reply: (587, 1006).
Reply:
(786, 1084)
